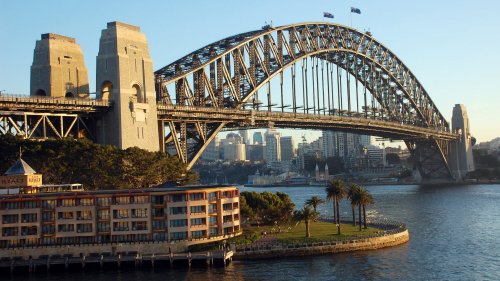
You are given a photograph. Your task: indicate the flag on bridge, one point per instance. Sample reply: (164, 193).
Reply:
(327, 15)
(355, 10)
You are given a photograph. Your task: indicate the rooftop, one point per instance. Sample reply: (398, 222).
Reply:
(20, 168)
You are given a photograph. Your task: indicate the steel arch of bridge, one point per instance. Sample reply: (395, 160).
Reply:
(225, 78)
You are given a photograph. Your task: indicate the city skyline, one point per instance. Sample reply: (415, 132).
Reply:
(433, 49)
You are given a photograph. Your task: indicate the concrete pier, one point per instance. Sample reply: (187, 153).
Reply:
(103, 261)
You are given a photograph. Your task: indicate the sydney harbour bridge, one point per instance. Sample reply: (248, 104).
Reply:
(310, 75)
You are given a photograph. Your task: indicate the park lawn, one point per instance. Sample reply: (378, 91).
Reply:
(320, 231)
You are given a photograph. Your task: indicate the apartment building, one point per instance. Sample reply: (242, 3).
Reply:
(40, 214)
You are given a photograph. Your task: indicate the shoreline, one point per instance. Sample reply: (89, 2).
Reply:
(322, 248)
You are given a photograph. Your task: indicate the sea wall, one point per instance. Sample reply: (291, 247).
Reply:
(145, 248)
(291, 250)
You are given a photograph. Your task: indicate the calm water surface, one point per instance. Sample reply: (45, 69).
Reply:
(454, 235)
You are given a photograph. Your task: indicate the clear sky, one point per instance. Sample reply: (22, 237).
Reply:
(453, 47)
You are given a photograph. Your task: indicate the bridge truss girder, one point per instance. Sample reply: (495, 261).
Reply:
(228, 74)
(31, 125)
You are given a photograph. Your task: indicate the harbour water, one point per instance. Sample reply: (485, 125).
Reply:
(454, 235)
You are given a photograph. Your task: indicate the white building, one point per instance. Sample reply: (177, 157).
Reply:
(272, 151)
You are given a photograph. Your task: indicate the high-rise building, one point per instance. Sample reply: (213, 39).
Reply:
(255, 152)
(342, 144)
(287, 148)
(257, 138)
(272, 151)
(212, 153)
(244, 136)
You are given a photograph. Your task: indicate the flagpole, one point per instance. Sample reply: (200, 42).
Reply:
(351, 18)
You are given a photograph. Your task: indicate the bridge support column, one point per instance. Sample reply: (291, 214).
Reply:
(125, 76)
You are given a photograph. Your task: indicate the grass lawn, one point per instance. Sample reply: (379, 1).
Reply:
(320, 231)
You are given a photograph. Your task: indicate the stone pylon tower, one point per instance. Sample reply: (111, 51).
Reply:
(460, 157)
(125, 77)
(58, 68)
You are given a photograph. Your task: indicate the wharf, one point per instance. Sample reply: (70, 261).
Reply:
(102, 261)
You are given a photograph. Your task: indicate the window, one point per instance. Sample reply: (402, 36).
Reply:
(122, 200)
(158, 200)
(9, 231)
(65, 215)
(213, 232)
(158, 212)
(48, 216)
(10, 219)
(84, 228)
(212, 196)
(104, 201)
(212, 208)
(198, 221)
(66, 228)
(196, 196)
(212, 221)
(198, 234)
(178, 223)
(48, 229)
(103, 214)
(159, 225)
(48, 204)
(120, 226)
(140, 199)
(29, 205)
(136, 93)
(84, 215)
(227, 207)
(228, 230)
(197, 209)
(107, 89)
(178, 197)
(178, 210)
(86, 202)
(227, 219)
(178, 235)
(25, 218)
(11, 205)
(120, 214)
(103, 227)
(139, 213)
(139, 225)
(67, 202)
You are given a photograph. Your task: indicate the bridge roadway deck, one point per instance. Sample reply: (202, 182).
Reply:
(235, 118)
(50, 104)
(253, 118)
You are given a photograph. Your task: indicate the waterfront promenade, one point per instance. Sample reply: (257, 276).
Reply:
(389, 235)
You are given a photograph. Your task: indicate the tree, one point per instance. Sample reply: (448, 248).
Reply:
(314, 202)
(267, 207)
(335, 191)
(307, 215)
(353, 195)
(365, 198)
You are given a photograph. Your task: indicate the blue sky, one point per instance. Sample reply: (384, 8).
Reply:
(451, 46)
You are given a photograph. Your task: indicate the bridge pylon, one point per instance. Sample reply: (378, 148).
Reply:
(125, 76)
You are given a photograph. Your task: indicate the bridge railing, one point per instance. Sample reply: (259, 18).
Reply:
(52, 100)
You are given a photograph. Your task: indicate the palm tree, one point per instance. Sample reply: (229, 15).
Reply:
(353, 194)
(307, 215)
(365, 199)
(335, 191)
(314, 202)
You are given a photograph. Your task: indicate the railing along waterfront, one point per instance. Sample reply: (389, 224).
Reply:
(386, 228)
